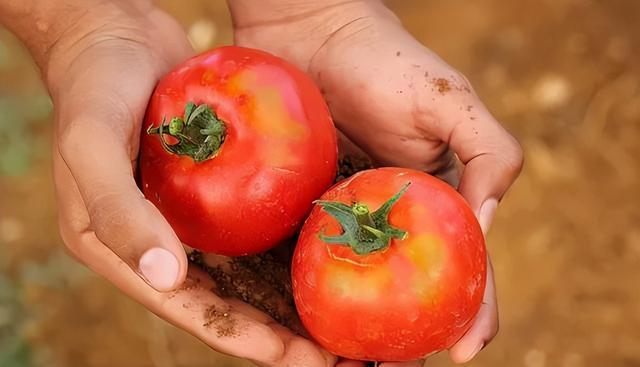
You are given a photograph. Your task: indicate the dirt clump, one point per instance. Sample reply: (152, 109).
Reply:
(221, 320)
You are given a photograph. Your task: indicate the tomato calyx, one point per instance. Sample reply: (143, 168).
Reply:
(200, 133)
(364, 231)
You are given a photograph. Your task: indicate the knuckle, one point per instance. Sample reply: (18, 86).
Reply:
(106, 212)
(513, 156)
(73, 252)
(68, 140)
(492, 332)
(71, 241)
(423, 114)
(495, 327)
(464, 82)
(77, 129)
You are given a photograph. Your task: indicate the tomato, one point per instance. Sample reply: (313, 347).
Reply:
(389, 266)
(239, 144)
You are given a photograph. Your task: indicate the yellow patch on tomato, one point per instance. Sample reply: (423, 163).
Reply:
(428, 255)
(417, 211)
(269, 116)
(358, 284)
(280, 156)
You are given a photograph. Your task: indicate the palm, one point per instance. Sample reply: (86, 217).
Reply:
(384, 89)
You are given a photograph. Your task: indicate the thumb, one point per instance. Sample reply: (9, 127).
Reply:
(98, 156)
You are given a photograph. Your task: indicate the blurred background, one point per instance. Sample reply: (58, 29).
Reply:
(562, 75)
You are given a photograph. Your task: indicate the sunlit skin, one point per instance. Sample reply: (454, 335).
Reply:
(417, 297)
(279, 153)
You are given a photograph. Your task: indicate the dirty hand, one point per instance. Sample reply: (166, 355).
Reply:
(397, 101)
(100, 61)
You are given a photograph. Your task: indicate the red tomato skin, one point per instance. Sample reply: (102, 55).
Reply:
(280, 152)
(417, 297)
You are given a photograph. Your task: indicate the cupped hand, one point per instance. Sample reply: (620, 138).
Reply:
(100, 73)
(402, 105)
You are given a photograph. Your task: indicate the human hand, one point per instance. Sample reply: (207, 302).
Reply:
(397, 101)
(101, 65)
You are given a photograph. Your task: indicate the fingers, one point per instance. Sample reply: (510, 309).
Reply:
(193, 307)
(300, 352)
(492, 159)
(99, 111)
(99, 160)
(485, 325)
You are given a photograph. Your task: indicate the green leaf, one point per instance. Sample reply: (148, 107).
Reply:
(335, 205)
(188, 110)
(343, 239)
(343, 214)
(201, 116)
(382, 213)
(381, 216)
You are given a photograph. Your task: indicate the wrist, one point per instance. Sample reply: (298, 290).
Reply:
(55, 31)
(37, 23)
(296, 29)
(249, 13)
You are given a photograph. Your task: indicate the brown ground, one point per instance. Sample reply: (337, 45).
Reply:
(562, 75)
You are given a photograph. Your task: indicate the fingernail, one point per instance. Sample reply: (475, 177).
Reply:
(486, 214)
(160, 268)
(473, 353)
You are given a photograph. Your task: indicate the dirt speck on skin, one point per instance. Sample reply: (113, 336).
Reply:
(442, 85)
(220, 318)
(190, 283)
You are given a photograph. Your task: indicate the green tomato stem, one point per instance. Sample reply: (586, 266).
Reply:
(200, 133)
(364, 232)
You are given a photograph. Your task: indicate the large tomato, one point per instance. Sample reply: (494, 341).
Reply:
(389, 266)
(239, 144)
